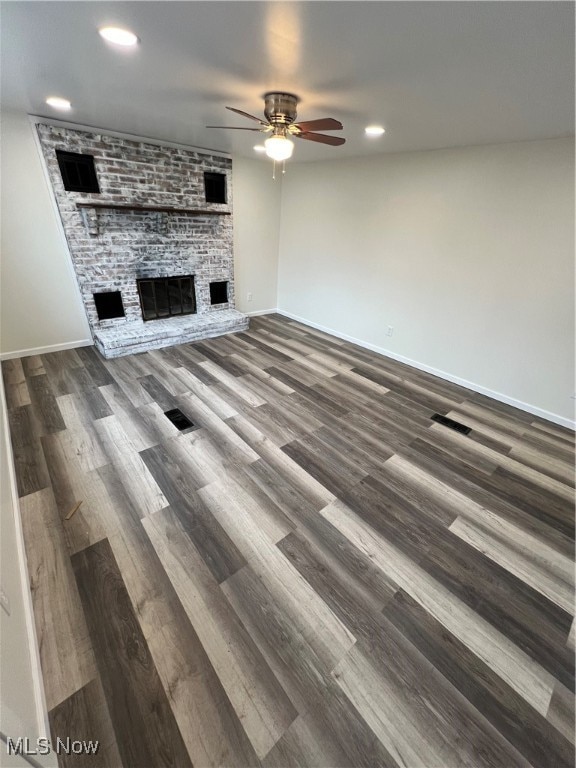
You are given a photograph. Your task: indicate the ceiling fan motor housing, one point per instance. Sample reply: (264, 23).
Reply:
(280, 108)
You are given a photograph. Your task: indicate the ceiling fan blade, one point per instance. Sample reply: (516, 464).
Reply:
(335, 141)
(245, 114)
(236, 128)
(324, 124)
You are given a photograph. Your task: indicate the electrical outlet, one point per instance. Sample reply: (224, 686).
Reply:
(249, 297)
(389, 331)
(4, 601)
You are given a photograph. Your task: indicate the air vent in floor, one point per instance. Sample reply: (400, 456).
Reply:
(451, 424)
(178, 419)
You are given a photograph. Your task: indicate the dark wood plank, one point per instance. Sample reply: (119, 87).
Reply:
(93, 363)
(348, 589)
(534, 623)
(25, 427)
(29, 461)
(209, 725)
(59, 367)
(332, 441)
(15, 386)
(258, 343)
(158, 392)
(561, 712)
(84, 716)
(328, 466)
(217, 549)
(365, 436)
(91, 400)
(295, 503)
(520, 724)
(300, 673)
(31, 470)
(491, 493)
(307, 394)
(147, 733)
(45, 405)
(557, 512)
(33, 366)
(432, 508)
(405, 526)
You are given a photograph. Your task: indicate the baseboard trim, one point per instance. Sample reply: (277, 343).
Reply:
(45, 350)
(534, 410)
(261, 312)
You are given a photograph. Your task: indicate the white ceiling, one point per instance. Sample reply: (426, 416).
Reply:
(435, 74)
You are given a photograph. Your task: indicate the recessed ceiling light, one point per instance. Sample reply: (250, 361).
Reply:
(260, 148)
(58, 103)
(118, 35)
(374, 130)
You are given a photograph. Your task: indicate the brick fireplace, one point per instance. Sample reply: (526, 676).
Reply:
(149, 229)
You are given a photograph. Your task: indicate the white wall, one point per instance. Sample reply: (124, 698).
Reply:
(39, 301)
(21, 695)
(256, 233)
(467, 253)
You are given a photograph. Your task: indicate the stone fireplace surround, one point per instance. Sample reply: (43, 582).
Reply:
(150, 220)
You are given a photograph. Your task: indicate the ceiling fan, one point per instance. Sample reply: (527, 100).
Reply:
(280, 113)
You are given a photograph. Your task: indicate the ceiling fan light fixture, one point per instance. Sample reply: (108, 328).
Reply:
(279, 148)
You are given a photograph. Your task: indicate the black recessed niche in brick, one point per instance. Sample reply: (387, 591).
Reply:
(77, 171)
(219, 292)
(215, 187)
(109, 305)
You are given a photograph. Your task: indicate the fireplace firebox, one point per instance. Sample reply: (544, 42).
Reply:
(167, 297)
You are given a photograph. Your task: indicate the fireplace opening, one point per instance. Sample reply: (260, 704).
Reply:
(219, 292)
(167, 297)
(109, 305)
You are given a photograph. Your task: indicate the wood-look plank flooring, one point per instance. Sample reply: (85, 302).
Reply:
(316, 575)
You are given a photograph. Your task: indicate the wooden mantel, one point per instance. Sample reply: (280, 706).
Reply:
(154, 208)
(89, 211)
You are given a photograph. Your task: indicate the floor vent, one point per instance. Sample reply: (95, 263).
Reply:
(451, 424)
(178, 419)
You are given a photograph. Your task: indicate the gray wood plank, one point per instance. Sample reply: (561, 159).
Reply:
(261, 704)
(147, 733)
(496, 701)
(65, 643)
(219, 552)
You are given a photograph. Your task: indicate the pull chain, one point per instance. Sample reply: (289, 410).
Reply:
(274, 169)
